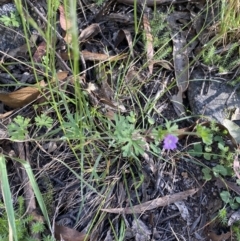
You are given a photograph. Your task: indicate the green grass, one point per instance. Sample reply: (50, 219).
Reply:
(108, 152)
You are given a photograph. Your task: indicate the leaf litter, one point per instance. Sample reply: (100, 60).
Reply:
(166, 196)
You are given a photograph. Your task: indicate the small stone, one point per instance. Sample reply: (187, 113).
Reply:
(211, 98)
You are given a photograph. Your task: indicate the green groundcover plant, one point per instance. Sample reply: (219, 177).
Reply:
(124, 133)
(26, 226)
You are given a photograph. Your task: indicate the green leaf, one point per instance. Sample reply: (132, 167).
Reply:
(225, 195)
(205, 133)
(127, 136)
(155, 148)
(208, 148)
(222, 147)
(7, 197)
(220, 169)
(132, 117)
(207, 156)
(44, 120)
(233, 205)
(237, 199)
(151, 121)
(138, 147)
(218, 139)
(197, 150)
(206, 174)
(171, 128)
(17, 130)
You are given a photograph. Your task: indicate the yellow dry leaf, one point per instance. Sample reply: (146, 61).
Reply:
(65, 23)
(22, 97)
(64, 20)
(2, 116)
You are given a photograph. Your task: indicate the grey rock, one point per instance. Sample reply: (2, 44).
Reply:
(4, 2)
(11, 37)
(211, 98)
(7, 8)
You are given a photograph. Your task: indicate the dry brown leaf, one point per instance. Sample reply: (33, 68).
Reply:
(94, 56)
(124, 34)
(181, 65)
(65, 23)
(134, 77)
(2, 116)
(158, 202)
(62, 75)
(149, 42)
(180, 51)
(119, 17)
(40, 52)
(68, 234)
(89, 32)
(22, 97)
(101, 57)
(215, 237)
(164, 63)
(220, 183)
(68, 37)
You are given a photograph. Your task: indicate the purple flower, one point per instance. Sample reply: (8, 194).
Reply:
(170, 142)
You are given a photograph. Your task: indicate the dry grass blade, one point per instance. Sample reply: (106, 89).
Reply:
(158, 202)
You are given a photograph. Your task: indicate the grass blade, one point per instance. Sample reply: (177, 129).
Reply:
(36, 190)
(7, 197)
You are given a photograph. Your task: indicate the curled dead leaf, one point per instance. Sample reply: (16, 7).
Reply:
(40, 52)
(64, 20)
(164, 63)
(89, 32)
(124, 34)
(22, 97)
(65, 23)
(68, 234)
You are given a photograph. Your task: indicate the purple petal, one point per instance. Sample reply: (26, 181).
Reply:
(170, 142)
